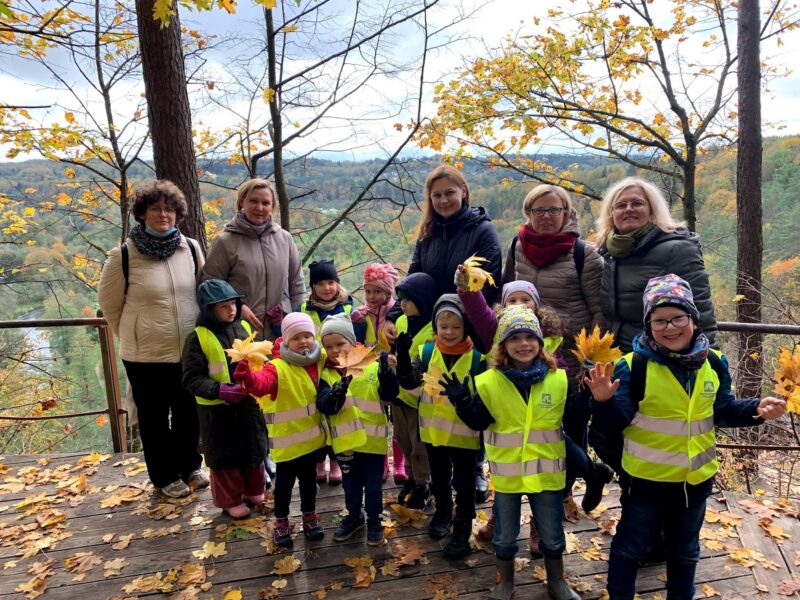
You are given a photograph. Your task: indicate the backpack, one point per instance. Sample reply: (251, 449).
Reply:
(608, 445)
(126, 268)
(427, 352)
(578, 254)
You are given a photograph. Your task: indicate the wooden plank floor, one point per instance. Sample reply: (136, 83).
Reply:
(62, 516)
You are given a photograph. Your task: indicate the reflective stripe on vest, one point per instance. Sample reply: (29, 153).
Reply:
(312, 312)
(424, 335)
(671, 438)
(525, 444)
(217, 363)
(292, 419)
(439, 425)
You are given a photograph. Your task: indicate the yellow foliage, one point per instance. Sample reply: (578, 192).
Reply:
(358, 359)
(787, 378)
(255, 353)
(595, 347)
(477, 276)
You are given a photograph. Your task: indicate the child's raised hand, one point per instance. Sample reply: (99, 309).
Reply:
(244, 376)
(461, 278)
(599, 382)
(456, 391)
(771, 408)
(390, 331)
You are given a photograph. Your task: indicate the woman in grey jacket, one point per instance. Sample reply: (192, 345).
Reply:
(640, 240)
(258, 258)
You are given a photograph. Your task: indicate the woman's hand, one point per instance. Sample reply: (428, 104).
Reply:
(250, 317)
(599, 382)
(771, 408)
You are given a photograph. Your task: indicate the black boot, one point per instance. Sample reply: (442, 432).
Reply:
(505, 580)
(458, 546)
(440, 522)
(602, 475)
(557, 586)
(405, 492)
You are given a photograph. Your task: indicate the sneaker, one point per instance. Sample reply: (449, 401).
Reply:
(375, 535)
(282, 534)
(312, 527)
(440, 523)
(603, 474)
(481, 488)
(405, 492)
(270, 465)
(335, 475)
(348, 527)
(238, 512)
(197, 479)
(176, 489)
(419, 497)
(322, 474)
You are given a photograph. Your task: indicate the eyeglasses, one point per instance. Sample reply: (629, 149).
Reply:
(155, 209)
(678, 322)
(553, 211)
(633, 205)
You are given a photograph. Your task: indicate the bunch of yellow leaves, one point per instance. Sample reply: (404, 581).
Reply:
(431, 385)
(358, 359)
(255, 353)
(596, 348)
(476, 276)
(787, 377)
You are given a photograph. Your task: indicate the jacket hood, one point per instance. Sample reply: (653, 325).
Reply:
(658, 236)
(211, 292)
(239, 225)
(572, 225)
(420, 288)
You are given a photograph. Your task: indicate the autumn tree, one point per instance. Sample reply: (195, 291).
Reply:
(631, 79)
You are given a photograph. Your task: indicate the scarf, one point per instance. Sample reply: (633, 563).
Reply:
(543, 249)
(525, 378)
(154, 247)
(690, 359)
(378, 315)
(259, 229)
(309, 357)
(315, 301)
(458, 349)
(620, 245)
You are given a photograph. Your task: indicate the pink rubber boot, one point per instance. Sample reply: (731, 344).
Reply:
(399, 460)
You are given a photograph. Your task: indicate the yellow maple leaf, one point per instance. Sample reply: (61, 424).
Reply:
(431, 385)
(358, 359)
(477, 277)
(210, 550)
(233, 594)
(595, 347)
(255, 353)
(268, 95)
(268, 4)
(286, 565)
(709, 591)
(230, 7)
(290, 28)
(409, 516)
(787, 378)
(364, 576)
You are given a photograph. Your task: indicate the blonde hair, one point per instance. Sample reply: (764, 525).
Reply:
(501, 360)
(541, 190)
(243, 192)
(425, 227)
(659, 209)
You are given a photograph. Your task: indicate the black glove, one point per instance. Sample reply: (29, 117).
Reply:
(339, 392)
(383, 365)
(402, 348)
(456, 391)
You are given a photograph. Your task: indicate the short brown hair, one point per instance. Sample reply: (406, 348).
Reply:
(425, 227)
(541, 190)
(243, 192)
(161, 189)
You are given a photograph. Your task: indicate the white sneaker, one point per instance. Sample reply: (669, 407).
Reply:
(198, 479)
(176, 489)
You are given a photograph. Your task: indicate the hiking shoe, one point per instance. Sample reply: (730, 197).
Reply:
(176, 489)
(603, 474)
(419, 497)
(198, 479)
(238, 512)
(347, 527)
(440, 523)
(375, 534)
(312, 527)
(405, 492)
(458, 546)
(282, 534)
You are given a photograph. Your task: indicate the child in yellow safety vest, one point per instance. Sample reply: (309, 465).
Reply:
(232, 427)
(358, 426)
(451, 445)
(289, 381)
(669, 452)
(520, 405)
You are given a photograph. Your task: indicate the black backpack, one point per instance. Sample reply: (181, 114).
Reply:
(126, 268)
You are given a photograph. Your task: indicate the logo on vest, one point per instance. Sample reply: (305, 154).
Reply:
(547, 400)
(708, 387)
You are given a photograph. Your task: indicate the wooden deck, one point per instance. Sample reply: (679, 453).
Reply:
(79, 527)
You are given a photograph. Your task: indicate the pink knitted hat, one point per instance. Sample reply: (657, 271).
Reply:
(382, 275)
(295, 323)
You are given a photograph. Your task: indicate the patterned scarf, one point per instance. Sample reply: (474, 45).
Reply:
(690, 359)
(543, 249)
(153, 247)
(525, 378)
(328, 305)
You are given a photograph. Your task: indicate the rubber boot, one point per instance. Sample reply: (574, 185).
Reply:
(533, 542)
(399, 461)
(322, 474)
(557, 586)
(335, 473)
(504, 577)
(458, 546)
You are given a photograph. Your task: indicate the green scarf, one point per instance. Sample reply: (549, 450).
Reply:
(621, 245)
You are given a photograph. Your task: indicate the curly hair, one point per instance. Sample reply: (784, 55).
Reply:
(161, 189)
(425, 227)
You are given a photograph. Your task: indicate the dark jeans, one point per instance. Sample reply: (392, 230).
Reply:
(325, 451)
(303, 469)
(453, 468)
(547, 512)
(576, 417)
(168, 422)
(642, 513)
(362, 477)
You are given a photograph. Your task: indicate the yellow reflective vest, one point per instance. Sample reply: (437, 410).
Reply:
(371, 336)
(217, 363)
(361, 424)
(423, 336)
(294, 425)
(439, 424)
(671, 437)
(312, 312)
(525, 444)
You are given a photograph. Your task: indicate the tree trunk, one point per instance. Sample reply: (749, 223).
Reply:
(689, 175)
(168, 111)
(749, 239)
(277, 125)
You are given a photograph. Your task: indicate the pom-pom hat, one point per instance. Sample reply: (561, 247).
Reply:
(518, 319)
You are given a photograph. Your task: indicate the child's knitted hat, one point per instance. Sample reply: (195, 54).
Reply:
(322, 270)
(382, 275)
(669, 290)
(517, 319)
(339, 323)
(295, 323)
(448, 303)
(520, 286)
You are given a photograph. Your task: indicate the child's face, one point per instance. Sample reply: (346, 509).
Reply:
(326, 289)
(301, 342)
(375, 296)
(409, 308)
(521, 298)
(522, 348)
(225, 311)
(336, 344)
(449, 328)
(678, 334)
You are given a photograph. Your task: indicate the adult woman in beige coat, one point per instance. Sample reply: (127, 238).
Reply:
(258, 258)
(151, 305)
